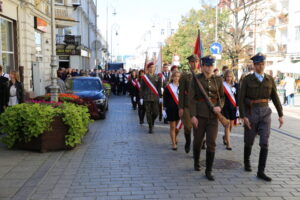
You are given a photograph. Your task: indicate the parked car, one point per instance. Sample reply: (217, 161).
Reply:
(91, 88)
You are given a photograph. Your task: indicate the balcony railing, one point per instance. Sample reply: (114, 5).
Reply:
(68, 39)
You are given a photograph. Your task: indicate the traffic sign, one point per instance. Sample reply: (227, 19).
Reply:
(216, 48)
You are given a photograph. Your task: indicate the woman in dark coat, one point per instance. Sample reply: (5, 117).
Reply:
(16, 91)
(230, 109)
(170, 102)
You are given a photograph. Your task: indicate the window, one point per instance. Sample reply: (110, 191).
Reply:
(38, 46)
(6, 45)
(297, 33)
(59, 2)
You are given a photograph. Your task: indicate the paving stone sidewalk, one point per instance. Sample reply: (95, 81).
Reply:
(120, 160)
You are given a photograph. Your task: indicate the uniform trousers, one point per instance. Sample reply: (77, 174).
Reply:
(208, 127)
(151, 111)
(260, 120)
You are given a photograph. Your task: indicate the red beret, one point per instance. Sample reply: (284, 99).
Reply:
(149, 64)
(173, 67)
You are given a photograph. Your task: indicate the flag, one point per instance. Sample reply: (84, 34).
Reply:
(146, 62)
(198, 49)
(158, 62)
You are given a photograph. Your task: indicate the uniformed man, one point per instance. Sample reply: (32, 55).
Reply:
(151, 95)
(204, 119)
(184, 113)
(164, 76)
(257, 89)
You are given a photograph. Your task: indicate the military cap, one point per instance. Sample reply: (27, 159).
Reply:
(208, 60)
(192, 58)
(259, 57)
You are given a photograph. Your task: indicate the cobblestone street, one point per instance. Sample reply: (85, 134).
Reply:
(120, 160)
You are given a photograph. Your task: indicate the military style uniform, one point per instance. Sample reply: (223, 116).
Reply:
(165, 79)
(253, 104)
(150, 100)
(207, 120)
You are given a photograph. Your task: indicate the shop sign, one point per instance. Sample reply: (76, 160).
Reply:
(67, 52)
(40, 24)
(1, 6)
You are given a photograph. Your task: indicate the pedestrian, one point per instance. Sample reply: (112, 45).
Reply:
(224, 68)
(133, 88)
(151, 95)
(61, 84)
(230, 109)
(184, 113)
(216, 72)
(257, 89)
(141, 107)
(204, 118)
(16, 91)
(289, 87)
(4, 90)
(170, 102)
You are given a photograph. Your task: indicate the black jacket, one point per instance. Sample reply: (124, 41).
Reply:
(4, 92)
(20, 91)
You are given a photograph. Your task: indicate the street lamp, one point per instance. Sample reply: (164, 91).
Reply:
(53, 87)
(114, 28)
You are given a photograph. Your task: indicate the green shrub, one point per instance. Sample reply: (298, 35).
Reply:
(23, 122)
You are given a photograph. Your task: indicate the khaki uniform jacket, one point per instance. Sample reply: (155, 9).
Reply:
(184, 86)
(145, 91)
(253, 89)
(212, 86)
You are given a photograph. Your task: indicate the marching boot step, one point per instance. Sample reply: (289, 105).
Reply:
(263, 176)
(209, 176)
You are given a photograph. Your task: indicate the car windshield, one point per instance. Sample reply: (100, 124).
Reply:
(83, 85)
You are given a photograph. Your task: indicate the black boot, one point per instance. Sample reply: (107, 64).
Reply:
(247, 153)
(187, 146)
(263, 154)
(210, 156)
(196, 160)
(150, 128)
(203, 144)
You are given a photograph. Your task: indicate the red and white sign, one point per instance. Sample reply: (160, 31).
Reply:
(150, 85)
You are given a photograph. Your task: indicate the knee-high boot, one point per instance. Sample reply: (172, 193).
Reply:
(263, 154)
(187, 146)
(210, 156)
(196, 154)
(247, 153)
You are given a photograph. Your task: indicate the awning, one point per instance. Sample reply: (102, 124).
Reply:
(285, 66)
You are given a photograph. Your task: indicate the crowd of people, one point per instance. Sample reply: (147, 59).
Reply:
(197, 99)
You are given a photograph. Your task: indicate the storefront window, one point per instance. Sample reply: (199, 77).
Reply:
(38, 46)
(6, 45)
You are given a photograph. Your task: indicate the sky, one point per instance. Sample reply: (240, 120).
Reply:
(135, 17)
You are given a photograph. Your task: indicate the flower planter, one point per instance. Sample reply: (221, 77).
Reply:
(50, 140)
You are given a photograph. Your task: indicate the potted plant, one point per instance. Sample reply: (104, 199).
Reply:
(44, 126)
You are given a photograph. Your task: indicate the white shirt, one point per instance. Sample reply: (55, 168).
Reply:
(289, 85)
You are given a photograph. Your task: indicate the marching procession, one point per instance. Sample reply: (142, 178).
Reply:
(198, 99)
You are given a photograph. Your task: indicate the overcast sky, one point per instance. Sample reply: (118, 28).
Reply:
(135, 17)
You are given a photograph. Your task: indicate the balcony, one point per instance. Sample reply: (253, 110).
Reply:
(68, 40)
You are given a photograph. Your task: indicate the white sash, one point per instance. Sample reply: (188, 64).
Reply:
(229, 93)
(150, 85)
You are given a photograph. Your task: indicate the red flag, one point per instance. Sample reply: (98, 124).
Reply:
(198, 48)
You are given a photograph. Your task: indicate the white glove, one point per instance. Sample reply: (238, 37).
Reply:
(141, 101)
(160, 100)
(237, 112)
(164, 114)
(134, 99)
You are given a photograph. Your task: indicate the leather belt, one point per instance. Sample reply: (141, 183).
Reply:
(212, 100)
(259, 101)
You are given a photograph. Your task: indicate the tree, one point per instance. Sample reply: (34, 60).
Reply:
(183, 41)
(232, 33)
